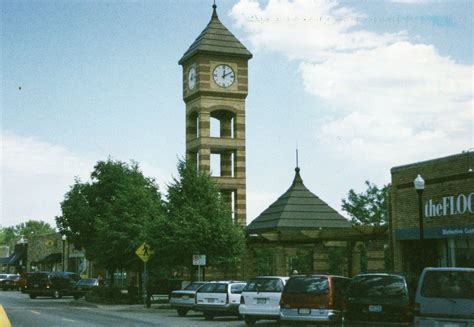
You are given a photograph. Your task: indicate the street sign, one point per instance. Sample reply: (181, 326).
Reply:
(144, 252)
(199, 260)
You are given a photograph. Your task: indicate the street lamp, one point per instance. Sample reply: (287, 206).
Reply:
(23, 241)
(64, 246)
(419, 183)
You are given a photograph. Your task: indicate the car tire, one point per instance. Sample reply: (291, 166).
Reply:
(32, 296)
(56, 294)
(249, 321)
(182, 312)
(208, 316)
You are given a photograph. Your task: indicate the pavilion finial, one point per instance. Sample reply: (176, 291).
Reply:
(297, 169)
(214, 11)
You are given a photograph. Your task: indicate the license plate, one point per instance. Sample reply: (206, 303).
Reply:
(210, 300)
(375, 308)
(261, 301)
(185, 297)
(304, 311)
(36, 285)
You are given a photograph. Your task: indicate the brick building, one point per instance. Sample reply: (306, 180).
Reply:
(447, 214)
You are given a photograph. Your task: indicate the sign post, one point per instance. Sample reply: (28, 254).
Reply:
(199, 260)
(144, 253)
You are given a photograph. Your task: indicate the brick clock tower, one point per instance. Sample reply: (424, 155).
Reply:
(215, 85)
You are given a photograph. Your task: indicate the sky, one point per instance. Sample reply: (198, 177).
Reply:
(358, 86)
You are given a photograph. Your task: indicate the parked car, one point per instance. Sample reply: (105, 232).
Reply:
(84, 286)
(445, 297)
(260, 299)
(313, 298)
(10, 283)
(219, 298)
(185, 299)
(379, 297)
(3, 277)
(54, 284)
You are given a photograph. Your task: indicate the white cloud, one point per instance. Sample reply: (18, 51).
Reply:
(390, 97)
(35, 175)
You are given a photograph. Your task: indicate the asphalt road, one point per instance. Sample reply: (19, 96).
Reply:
(25, 312)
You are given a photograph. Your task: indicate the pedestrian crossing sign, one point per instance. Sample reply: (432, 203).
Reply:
(144, 252)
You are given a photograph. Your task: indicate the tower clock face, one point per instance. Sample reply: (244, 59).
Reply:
(223, 75)
(192, 78)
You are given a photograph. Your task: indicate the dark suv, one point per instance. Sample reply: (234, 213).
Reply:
(54, 284)
(379, 298)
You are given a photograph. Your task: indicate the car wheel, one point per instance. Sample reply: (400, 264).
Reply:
(56, 294)
(182, 312)
(208, 316)
(249, 321)
(32, 296)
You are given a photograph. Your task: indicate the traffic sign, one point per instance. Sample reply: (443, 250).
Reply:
(199, 260)
(144, 252)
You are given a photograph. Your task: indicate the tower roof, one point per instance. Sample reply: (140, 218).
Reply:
(216, 39)
(299, 209)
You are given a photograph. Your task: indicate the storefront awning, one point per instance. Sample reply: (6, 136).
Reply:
(51, 258)
(11, 260)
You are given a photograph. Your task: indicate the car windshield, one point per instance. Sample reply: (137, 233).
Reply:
(193, 286)
(308, 285)
(264, 285)
(13, 277)
(214, 288)
(38, 276)
(448, 284)
(377, 286)
(3, 276)
(237, 288)
(87, 281)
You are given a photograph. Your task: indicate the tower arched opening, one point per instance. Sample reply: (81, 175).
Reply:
(223, 123)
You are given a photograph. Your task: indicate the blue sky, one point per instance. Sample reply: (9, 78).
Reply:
(359, 86)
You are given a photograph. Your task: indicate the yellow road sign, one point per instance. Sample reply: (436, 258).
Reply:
(144, 252)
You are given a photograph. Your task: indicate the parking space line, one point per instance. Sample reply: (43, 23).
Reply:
(35, 312)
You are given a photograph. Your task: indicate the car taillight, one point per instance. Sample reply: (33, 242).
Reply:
(242, 300)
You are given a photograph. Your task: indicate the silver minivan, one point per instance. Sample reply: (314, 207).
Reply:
(445, 298)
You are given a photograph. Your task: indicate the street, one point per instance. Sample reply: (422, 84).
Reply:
(25, 312)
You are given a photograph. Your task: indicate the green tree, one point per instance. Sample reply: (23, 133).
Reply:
(107, 216)
(9, 235)
(198, 222)
(369, 207)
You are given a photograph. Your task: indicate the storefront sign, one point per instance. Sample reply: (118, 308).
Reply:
(435, 232)
(450, 205)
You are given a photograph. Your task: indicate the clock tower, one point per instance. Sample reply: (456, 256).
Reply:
(215, 85)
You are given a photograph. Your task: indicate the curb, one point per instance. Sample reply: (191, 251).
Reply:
(4, 321)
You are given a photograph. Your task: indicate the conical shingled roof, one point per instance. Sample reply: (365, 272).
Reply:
(217, 39)
(297, 209)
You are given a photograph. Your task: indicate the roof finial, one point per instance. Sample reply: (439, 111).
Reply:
(214, 12)
(297, 169)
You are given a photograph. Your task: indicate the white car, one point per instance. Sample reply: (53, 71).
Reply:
(219, 298)
(260, 299)
(184, 300)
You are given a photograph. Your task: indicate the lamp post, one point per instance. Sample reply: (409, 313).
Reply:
(64, 247)
(419, 183)
(24, 259)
